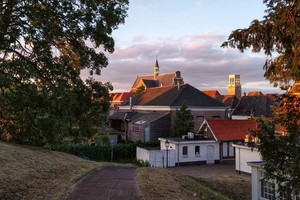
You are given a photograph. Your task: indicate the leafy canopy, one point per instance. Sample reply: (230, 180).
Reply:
(278, 36)
(183, 121)
(43, 47)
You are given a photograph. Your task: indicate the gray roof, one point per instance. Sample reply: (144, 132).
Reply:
(138, 116)
(175, 96)
(254, 106)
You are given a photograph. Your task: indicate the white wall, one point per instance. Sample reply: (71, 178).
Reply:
(191, 144)
(244, 154)
(156, 158)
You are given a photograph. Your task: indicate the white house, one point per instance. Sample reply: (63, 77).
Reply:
(191, 150)
(263, 189)
(243, 155)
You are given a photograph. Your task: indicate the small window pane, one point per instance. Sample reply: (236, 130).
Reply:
(197, 150)
(267, 189)
(185, 151)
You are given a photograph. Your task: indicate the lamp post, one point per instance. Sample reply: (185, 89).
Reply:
(167, 144)
(125, 120)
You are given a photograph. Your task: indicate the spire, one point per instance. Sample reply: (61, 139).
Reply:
(156, 70)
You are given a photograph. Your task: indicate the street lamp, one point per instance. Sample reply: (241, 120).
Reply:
(125, 120)
(167, 144)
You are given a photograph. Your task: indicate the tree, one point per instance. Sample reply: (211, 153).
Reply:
(278, 33)
(183, 121)
(44, 46)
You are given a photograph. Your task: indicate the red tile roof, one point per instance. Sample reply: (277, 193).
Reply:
(120, 97)
(162, 80)
(232, 129)
(212, 93)
(255, 93)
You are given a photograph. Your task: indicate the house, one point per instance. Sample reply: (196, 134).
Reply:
(192, 149)
(141, 126)
(262, 188)
(243, 155)
(148, 127)
(161, 104)
(157, 80)
(227, 133)
(253, 106)
(181, 151)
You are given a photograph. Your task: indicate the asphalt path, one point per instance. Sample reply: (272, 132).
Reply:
(109, 183)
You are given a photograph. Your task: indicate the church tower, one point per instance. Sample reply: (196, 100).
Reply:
(156, 70)
(234, 86)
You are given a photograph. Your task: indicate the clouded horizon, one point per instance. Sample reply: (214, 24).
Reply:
(186, 36)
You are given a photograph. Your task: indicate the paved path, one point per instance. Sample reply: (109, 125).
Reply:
(110, 183)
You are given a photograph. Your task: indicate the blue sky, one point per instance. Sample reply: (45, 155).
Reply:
(186, 35)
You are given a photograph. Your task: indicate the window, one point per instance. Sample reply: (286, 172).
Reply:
(231, 81)
(185, 151)
(267, 189)
(197, 150)
(135, 129)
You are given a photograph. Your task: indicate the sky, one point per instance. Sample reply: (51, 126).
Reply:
(186, 35)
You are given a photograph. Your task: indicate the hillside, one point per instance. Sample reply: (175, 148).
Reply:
(34, 173)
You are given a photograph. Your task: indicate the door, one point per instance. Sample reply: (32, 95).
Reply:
(147, 134)
(210, 154)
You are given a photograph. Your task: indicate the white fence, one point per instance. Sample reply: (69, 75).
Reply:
(156, 158)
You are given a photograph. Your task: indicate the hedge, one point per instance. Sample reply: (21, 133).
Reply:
(122, 152)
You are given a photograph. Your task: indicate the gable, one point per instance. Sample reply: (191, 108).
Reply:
(139, 79)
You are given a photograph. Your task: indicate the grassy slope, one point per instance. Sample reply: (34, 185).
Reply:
(34, 173)
(160, 184)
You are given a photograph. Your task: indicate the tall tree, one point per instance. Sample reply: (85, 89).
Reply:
(278, 35)
(183, 121)
(43, 47)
